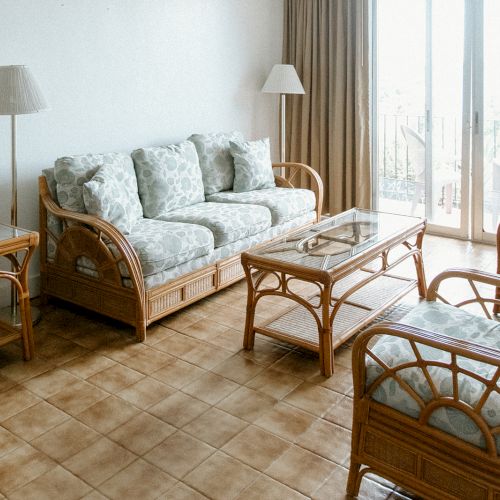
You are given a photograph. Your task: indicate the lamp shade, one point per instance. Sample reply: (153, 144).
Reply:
(283, 79)
(19, 92)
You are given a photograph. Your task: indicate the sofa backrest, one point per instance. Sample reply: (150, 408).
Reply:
(168, 177)
(216, 162)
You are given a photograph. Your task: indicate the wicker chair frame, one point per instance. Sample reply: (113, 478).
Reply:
(87, 235)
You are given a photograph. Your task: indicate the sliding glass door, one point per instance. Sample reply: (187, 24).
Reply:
(431, 132)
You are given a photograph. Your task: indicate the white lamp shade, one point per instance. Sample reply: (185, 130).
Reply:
(19, 92)
(283, 79)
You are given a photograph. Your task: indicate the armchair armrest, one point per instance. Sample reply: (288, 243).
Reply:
(101, 228)
(292, 176)
(472, 276)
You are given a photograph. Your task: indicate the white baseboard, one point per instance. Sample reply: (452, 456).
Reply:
(34, 284)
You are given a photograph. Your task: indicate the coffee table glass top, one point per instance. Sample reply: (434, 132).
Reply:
(337, 239)
(9, 232)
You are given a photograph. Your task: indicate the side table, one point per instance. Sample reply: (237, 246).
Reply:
(14, 240)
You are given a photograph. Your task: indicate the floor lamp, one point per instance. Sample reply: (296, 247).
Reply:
(19, 95)
(283, 80)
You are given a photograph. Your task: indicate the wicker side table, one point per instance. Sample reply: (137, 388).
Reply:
(18, 245)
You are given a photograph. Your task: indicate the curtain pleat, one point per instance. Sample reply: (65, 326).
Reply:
(328, 127)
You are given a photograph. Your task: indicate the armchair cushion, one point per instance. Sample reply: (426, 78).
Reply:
(285, 204)
(106, 196)
(169, 178)
(252, 165)
(72, 172)
(394, 351)
(228, 222)
(216, 162)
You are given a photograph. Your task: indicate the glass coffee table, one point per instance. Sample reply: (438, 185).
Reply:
(349, 261)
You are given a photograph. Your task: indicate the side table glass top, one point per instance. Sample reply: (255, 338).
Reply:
(10, 232)
(337, 239)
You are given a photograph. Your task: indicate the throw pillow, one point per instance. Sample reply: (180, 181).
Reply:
(169, 177)
(106, 196)
(252, 165)
(216, 162)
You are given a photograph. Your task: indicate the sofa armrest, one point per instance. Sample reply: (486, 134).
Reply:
(88, 224)
(293, 172)
(473, 276)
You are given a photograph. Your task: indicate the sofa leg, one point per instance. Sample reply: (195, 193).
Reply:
(140, 331)
(353, 480)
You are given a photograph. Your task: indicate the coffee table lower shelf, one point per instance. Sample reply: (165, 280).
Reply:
(297, 325)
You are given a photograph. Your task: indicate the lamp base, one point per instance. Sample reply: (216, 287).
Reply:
(12, 317)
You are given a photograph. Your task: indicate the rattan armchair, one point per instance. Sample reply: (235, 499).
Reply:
(411, 452)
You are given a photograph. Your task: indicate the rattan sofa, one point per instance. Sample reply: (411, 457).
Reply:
(87, 261)
(427, 396)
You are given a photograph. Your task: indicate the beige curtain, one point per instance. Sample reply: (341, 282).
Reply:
(328, 128)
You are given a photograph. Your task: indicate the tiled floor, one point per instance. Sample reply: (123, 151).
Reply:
(187, 414)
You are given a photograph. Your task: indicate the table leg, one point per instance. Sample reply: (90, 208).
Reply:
(325, 335)
(249, 337)
(419, 266)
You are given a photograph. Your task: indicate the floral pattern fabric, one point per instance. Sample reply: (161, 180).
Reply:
(216, 162)
(284, 203)
(169, 178)
(54, 225)
(72, 172)
(106, 196)
(252, 165)
(228, 221)
(394, 351)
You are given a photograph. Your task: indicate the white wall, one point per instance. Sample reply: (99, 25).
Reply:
(122, 74)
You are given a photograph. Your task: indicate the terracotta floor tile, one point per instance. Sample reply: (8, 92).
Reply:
(35, 420)
(59, 350)
(146, 392)
(313, 399)
(286, 421)
(178, 374)
(340, 381)
(115, 378)
(178, 409)
(177, 345)
(231, 340)
(328, 440)
(88, 365)
(299, 364)
(182, 492)
(300, 470)
(274, 383)
(210, 388)
(5, 383)
(93, 336)
(20, 370)
(141, 433)
(55, 483)
(264, 353)
(77, 397)
(148, 361)
(180, 320)
(99, 461)
(94, 495)
(8, 442)
(221, 477)
(215, 427)
(256, 447)
(48, 383)
(107, 414)
(206, 356)
(231, 317)
(247, 404)
(21, 466)
(15, 400)
(179, 454)
(238, 368)
(65, 440)
(139, 480)
(269, 489)
(121, 349)
(204, 329)
(156, 333)
(341, 413)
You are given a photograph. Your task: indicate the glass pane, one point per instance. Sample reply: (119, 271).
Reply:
(491, 205)
(401, 103)
(447, 87)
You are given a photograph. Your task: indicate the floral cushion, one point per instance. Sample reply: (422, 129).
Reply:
(394, 351)
(228, 222)
(169, 177)
(106, 196)
(285, 204)
(216, 162)
(72, 172)
(252, 165)
(162, 245)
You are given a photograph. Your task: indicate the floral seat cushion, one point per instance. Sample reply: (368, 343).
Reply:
(394, 351)
(285, 204)
(228, 222)
(162, 245)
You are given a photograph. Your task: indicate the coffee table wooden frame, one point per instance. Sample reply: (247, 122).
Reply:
(324, 307)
